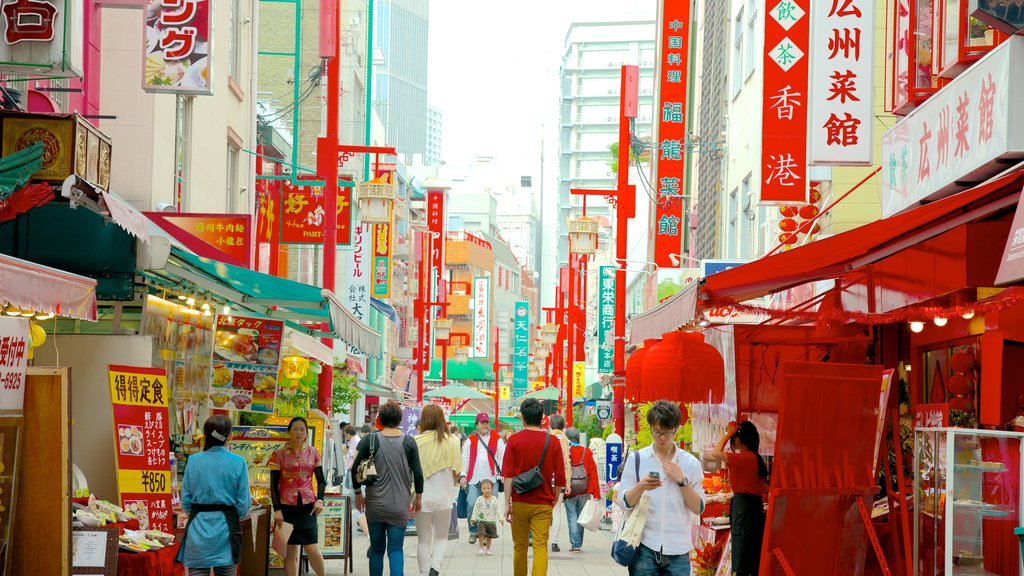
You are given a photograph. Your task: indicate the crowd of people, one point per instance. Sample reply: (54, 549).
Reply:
(534, 480)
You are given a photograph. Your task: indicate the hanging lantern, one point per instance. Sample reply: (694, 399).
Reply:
(961, 385)
(461, 354)
(788, 211)
(815, 196)
(809, 227)
(962, 362)
(376, 198)
(683, 368)
(634, 379)
(295, 367)
(787, 225)
(787, 238)
(961, 403)
(809, 211)
(583, 235)
(442, 328)
(549, 333)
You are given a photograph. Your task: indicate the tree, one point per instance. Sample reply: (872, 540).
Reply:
(344, 392)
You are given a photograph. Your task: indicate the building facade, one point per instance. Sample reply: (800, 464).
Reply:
(435, 135)
(400, 81)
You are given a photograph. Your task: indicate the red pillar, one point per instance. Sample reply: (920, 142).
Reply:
(625, 208)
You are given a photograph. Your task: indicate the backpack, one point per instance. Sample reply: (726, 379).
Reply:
(580, 480)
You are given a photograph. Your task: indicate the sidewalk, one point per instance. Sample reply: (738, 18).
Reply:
(461, 558)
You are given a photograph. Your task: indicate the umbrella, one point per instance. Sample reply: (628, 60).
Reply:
(550, 393)
(455, 391)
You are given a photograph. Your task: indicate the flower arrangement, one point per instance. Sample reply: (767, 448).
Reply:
(706, 558)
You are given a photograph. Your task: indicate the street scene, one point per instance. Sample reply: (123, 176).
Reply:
(464, 288)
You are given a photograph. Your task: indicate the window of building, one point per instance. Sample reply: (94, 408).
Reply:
(747, 244)
(730, 238)
(751, 61)
(526, 181)
(234, 194)
(738, 27)
(182, 151)
(235, 41)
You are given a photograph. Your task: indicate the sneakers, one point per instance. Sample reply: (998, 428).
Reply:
(555, 548)
(482, 551)
(575, 550)
(434, 572)
(489, 551)
(472, 538)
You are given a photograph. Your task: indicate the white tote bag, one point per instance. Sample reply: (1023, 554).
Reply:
(590, 516)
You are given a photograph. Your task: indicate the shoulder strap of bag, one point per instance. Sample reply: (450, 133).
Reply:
(373, 444)
(480, 440)
(544, 452)
(583, 457)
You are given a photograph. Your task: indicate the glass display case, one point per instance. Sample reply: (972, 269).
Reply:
(967, 496)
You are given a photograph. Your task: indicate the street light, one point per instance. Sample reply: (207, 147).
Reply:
(376, 197)
(583, 235)
(461, 354)
(549, 334)
(442, 328)
(676, 258)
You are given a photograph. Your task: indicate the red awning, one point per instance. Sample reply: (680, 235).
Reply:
(840, 254)
(34, 287)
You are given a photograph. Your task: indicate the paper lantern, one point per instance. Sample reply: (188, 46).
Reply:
(788, 211)
(809, 227)
(962, 361)
(662, 369)
(961, 403)
(961, 385)
(815, 196)
(683, 368)
(809, 211)
(787, 238)
(634, 377)
(787, 225)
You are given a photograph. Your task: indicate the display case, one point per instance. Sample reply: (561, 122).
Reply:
(967, 496)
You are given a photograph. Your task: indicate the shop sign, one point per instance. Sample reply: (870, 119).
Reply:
(481, 315)
(246, 359)
(730, 315)
(333, 525)
(709, 267)
(1012, 267)
(606, 320)
(14, 347)
(302, 214)
(604, 409)
(178, 36)
(42, 38)
(520, 348)
(506, 394)
(382, 260)
(142, 444)
(842, 91)
(436, 228)
(410, 420)
(784, 111)
(579, 379)
(354, 288)
(670, 159)
(228, 234)
(958, 136)
(1007, 17)
(931, 415)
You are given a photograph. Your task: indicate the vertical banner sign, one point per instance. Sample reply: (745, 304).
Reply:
(673, 57)
(14, 347)
(142, 444)
(355, 284)
(520, 349)
(246, 358)
(579, 379)
(842, 92)
(435, 227)
(382, 260)
(784, 128)
(178, 34)
(606, 320)
(481, 326)
(302, 214)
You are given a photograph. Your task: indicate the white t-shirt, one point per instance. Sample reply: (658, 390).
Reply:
(439, 491)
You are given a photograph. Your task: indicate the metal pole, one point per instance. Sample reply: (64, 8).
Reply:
(444, 362)
(626, 206)
(571, 331)
(420, 313)
(497, 384)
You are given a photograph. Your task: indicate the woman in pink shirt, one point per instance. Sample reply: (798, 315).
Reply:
(292, 469)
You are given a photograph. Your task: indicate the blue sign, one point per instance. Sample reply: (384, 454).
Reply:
(612, 461)
(709, 267)
(520, 349)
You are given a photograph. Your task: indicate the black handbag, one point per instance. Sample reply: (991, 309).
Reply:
(532, 478)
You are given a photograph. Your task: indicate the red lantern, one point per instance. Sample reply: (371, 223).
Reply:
(634, 391)
(787, 238)
(787, 225)
(788, 211)
(809, 227)
(961, 385)
(960, 403)
(962, 361)
(683, 368)
(815, 196)
(809, 211)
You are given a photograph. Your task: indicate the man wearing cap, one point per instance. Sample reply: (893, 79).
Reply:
(480, 458)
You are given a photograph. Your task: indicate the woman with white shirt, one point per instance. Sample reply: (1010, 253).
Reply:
(441, 461)
(673, 478)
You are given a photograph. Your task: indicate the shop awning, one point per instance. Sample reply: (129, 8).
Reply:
(385, 309)
(843, 253)
(267, 295)
(31, 286)
(677, 310)
(468, 370)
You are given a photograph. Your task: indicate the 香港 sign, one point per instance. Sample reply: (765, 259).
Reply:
(14, 347)
(842, 87)
(606, 320)
(302, 214)
(520, 348)
(481, 315)
(784, 112)
(177, 38)
(141, 444)
(42, 37)
(958, 134)
(382, 260)
(670, 160)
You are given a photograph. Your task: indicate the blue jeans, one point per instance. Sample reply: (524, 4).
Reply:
(472, 493)
(651, 563)
(384, 536)
(573, 508)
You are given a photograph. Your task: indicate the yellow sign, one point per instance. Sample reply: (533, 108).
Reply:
(506, 393)
(579, 380)
(536, 385)
(138, 387)
(144, 481)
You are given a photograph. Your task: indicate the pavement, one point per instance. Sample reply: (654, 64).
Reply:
(461, 558)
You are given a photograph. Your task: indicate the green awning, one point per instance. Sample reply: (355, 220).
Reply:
(468, 370)
(596, 392)
(266, 295)
(466, 420)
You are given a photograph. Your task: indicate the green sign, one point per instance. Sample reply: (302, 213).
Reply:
(606, 320)
(521, 349)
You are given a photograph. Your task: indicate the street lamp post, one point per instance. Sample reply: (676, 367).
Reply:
(497, 369)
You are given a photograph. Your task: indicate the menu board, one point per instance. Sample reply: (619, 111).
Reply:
(246, 354)
(333, 526)
(142, 444)
(182, 346)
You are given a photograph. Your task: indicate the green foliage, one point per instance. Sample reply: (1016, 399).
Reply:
(667, 287)
(589, 424)
(344, 393)
(962, 419)
(608, 430)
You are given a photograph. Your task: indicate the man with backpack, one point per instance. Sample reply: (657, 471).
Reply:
(584, 484)
(482, 454)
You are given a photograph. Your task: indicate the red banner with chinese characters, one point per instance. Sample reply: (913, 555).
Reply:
(784, 113)
(302, 214)
(141, 444)
(227, 233)
(673, 56)
(381, 260)
(436, 226)
(268, 201)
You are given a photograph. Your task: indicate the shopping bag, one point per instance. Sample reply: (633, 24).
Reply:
(453, 526)
(462, 503)
(281, 536)
(627, 544)
(590, 516)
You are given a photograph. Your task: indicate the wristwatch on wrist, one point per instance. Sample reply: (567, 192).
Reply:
(683, 483)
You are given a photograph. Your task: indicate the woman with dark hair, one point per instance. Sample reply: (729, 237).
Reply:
(387, 503)
(747, 474)
(215, 494)
(441, 463)
(292, 469)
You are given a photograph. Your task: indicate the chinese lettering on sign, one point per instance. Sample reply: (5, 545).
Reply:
(606, 320)
(579, 382)
(382, 260)
(355, 283)
(842, 92)
(141, 444)
(436, 214)
(784, 113)
(14, 347)
(177, 38)
(481, 324)
(302, 214)
(520, 348)
(670, 162)
(227, 233)
(246, 357)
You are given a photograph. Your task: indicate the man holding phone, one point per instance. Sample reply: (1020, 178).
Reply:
(674, 479)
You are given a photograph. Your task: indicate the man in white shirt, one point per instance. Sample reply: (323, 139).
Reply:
(673, 479)
(481, 456)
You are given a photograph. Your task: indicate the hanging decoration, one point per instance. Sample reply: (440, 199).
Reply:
(682, 368)
(634, 379)
(962, 383)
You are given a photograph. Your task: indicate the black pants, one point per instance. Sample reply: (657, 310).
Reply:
(746, 515)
